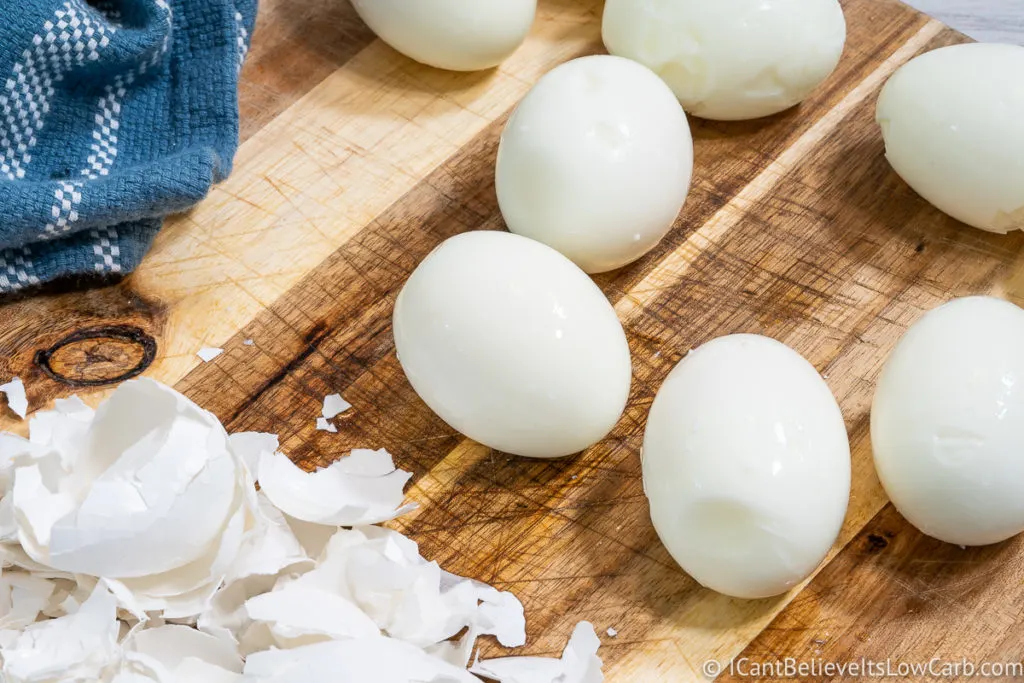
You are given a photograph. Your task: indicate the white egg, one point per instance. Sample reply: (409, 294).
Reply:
(953, 123)
(596, 162)
(513, 345)
(947, 423)
(460, 35)
(746, 464)
(731, 59)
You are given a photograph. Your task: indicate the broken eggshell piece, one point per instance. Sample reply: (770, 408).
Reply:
(362, 488)
(374, 658)
(579, 663)
(16, 398)
(23, 597)
(145, 491)
(296, 616)
(334, 405)
(406, 596)
(186, 654)
(150, 490)
(77, 647)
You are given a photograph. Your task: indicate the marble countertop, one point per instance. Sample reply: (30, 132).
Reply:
(993, 21)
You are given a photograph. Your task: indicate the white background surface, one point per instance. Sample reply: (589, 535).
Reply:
(986, 20)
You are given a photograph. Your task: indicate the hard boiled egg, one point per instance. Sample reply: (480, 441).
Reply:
(513, 345)
(460, 35)
(746, 464)
(953, 123)
(731, 59)
(947, 423)
(596, 162)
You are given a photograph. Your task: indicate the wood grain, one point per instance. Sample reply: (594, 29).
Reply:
(896, 597)
(359, 162)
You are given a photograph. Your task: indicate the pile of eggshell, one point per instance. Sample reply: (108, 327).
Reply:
(136, 548)
(746, 458)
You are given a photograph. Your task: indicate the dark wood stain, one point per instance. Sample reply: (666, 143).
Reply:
(876, 543)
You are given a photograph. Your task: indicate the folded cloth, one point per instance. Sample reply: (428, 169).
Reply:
(113, 114)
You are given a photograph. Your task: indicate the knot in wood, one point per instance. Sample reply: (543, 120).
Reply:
(98, 356)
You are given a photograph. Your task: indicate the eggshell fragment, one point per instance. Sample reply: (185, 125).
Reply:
(579, 663)
(513, 345)
(746, 464)
(334, 405)
(225, 616)
(377, 659)
(363, 488)
(208, 353)
(730, 59)
(78, 647)
(70, 594)
(312, 537)
(322, 425)
(176, 647)
(953, 124)
(145, 491)
(501, 615)
(460, 35)
(947, 422)
(407, 597)
(269, 552)
(150, 491)
(299, 616)
(136, 668)
(185, 592)
(249, 446)
(23, 597)
(61, 431)
(193, 670)
(269, 547)
(16, 399)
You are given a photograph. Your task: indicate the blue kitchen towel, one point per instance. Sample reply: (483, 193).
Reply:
(113, 114)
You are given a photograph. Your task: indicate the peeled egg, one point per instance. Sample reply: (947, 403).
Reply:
(953, 123)
(947, 422)
(730, 59)
(596, 162)
(746, 464)
(459, 35)
(513, 345)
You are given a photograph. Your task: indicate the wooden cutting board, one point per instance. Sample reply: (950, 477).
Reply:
(357, 162)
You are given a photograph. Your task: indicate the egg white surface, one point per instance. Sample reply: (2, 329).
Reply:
(596, 162)
(947, 422)
(731, 59)
(459, 35)
(513, 345)
(953, 123)
(746, 464)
